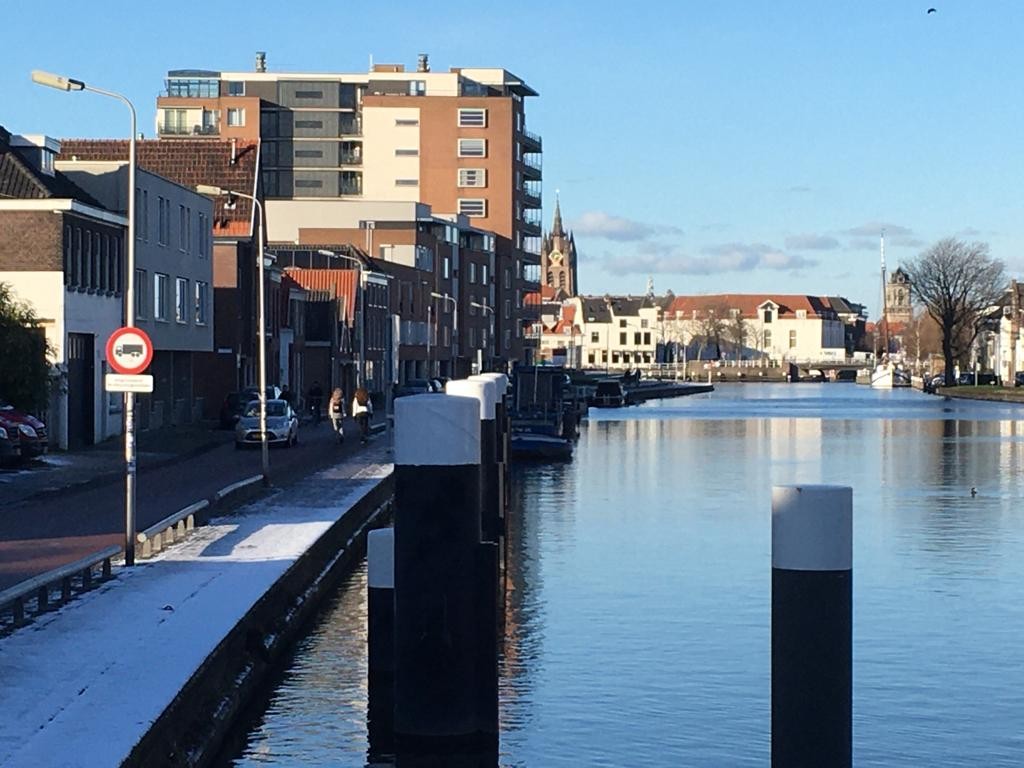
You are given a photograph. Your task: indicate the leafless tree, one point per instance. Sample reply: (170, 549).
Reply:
(957, 283)
(738, 333)
(711, 325)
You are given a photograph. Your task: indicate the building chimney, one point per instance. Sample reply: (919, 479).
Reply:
(261, 61)
(423, 63)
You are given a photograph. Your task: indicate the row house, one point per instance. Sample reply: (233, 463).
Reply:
(232, 164)
(614, 331)
(173, 280)
(456, 141)
(63, 253)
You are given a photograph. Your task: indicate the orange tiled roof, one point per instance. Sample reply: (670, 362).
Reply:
(189, 162)
(748, 303)
(329, 284)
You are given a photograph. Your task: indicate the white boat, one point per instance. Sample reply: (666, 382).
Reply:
(887, 374)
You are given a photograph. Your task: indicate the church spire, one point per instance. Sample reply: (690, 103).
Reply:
(556, 227)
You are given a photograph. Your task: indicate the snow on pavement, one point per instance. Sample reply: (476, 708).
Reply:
(81, 686)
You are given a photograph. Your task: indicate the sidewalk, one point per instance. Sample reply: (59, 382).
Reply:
(104, 463)
(83, 685)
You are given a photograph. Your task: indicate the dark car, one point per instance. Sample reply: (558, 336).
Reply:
(967, 379)
(1018, 379)
(234, 404)
(8, 452)
(39, 443)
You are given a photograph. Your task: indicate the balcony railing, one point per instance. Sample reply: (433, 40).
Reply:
(350, 187)
(170, 129)
(533, 160)
(350, 128)
(533, 216)
(529, 137)
(350, 158)
(531, 198)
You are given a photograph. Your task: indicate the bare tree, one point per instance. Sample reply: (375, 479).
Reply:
(711, 325)
(737, 332)
(957, 283)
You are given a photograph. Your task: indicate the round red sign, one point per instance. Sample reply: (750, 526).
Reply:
(129, 350)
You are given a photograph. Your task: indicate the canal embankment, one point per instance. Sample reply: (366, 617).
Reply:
(167, 655)
(990, 393)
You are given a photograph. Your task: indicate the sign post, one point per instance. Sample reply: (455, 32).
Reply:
(129, 352)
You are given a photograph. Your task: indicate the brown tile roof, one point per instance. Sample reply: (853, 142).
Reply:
(329, 285)
(20, 180)
(189, 162)
(748, 303)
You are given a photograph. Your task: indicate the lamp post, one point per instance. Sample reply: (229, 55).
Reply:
(455, 323)
(209, 189)
(70, 84)
(361, 304)
(485, 308)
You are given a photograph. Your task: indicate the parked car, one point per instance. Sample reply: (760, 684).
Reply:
(41, 442)
(8, 453)
(967, 379)
(235, 402)
(1018, 379)
(24, 439)
(418, 387)
(282, 424)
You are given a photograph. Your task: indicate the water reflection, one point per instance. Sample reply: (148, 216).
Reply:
(637, 622)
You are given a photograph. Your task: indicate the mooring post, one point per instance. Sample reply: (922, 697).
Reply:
(812, 626)
(437, 543)
(380, 638)
(484, 391)
(502, 425)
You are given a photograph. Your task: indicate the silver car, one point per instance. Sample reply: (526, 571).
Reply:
(282, 424)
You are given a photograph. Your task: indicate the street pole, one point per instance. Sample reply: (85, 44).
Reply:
(208, 189)
(70, 84)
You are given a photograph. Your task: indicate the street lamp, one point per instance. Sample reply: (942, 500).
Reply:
(455, 323)
(485, 308)
(70, 84)
(361, 303)
(215, 191)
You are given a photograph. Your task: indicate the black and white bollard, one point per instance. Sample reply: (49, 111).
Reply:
(484, 390)
(501, 423)
(380, 638)
(812, 626)
(437, 542)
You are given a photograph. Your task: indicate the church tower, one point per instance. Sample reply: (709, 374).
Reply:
(898, 305)
(558, 257)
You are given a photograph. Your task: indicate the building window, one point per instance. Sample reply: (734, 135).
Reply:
(508, 309)
(622, 339)
(417, 87)
(236, 117)
(202, 301)
(647, 339)
(643, 323)
(188, 230)
(68, 255)
(145, 215)
(309, 153)
(792, 339)
(105, 271)
(484, 275)
(622, 323)
(472, 147)
(767, 339)
(141, 293)
(181, 227)
(87, 262)
(801, 314)
(472, 304)
(508, 278)
(309, 94)
(768, 315)
(447, 268)
(236, 88)
(160, 295)
(181, 298)
(407, 182)
(96, 261)
(309, 123)
(406, 122)
(595, 337)
(163, 225)
(308, 183)
(472, 118)
(472, 206)
(508, 340)
(407, 153)
(472, 177)
(472, 272)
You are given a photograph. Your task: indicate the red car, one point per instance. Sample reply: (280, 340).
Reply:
(26, 433)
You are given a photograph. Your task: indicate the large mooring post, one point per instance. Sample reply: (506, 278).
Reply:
(488, 565)
(437, 553)
(380, 638)
(503, 430)
(812, 626)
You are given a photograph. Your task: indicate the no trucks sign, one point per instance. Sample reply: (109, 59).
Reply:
(129, 351)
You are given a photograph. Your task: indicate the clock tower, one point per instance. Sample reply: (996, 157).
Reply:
(558, 258)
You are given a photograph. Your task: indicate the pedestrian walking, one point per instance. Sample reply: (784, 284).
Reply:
(288, 396)
(316, 397)
(336, 413)
(362, 409)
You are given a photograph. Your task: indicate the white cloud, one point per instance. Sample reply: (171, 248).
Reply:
(812, 243)
(612, 227)
(655, 258)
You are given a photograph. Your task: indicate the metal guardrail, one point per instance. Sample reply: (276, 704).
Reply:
(169, 530)
(37, 589)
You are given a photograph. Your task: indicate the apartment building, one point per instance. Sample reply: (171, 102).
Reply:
(454, 140)
(63, 253)
(173, 278)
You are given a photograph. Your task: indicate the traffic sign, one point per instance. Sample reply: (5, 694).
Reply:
(119, 382)
(129, 351)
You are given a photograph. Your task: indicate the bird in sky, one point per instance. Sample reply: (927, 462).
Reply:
(931, 10)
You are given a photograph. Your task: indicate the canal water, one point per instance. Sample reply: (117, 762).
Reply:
(639, 625)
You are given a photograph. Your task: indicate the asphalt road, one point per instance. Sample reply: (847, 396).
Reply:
(45, 532)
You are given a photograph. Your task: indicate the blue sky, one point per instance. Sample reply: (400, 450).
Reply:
(717, 146)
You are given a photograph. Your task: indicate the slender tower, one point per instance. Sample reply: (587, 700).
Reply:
(885, 308)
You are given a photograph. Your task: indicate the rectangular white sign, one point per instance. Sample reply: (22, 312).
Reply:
(119, 382)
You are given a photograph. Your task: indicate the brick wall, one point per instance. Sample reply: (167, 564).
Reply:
(30, 241)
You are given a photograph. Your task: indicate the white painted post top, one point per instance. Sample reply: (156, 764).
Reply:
(500, 378)
(431, 430)
(483, 390)
(812, 527)
(380, 558)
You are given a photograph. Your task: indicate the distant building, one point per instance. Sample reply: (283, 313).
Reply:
(558, 258)
(899, 307)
